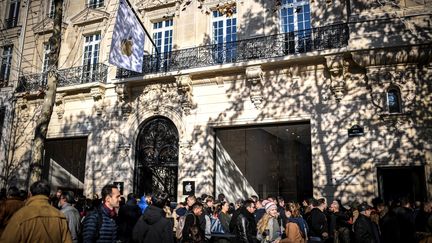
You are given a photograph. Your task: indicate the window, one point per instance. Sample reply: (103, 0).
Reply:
(12, 19)
(162, 36)
(95, 3)
(45, 61)
(51, 12)
(2, 117)
(295, 22)
(91, 57)
(6, 61)
(224, 34)
(394, 100)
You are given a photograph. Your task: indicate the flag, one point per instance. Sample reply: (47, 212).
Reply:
(127, 46)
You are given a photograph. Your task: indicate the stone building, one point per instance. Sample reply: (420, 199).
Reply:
(302, 98)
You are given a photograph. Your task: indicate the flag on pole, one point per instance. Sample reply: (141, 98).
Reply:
(127, 46)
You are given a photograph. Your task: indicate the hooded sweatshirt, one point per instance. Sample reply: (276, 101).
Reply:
(153, 227)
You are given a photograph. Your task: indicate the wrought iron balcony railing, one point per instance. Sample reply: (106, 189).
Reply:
(67, 77)
(95, 4)
(10, 23)
(316, 39)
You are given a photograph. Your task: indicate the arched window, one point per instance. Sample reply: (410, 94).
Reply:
(394, 100)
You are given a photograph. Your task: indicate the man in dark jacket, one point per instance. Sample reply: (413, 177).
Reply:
(153, 226)
(365, 231)
(317, 221)
(100, 225)
(192, 230)
(127, 217)
(243, 223)
(9, 207)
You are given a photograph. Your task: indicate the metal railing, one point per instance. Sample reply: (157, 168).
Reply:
(10, 23)
(67, 77)
(316, 39)
(95, 4)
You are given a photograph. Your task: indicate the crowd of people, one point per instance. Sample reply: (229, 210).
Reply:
(64, 217)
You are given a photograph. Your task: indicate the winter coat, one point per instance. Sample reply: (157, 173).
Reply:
(243, 225)
(405, 218)
(317, 222)
(274, 232)
(390, 229)
(107, 227)
(365, 231)
(192, 221)
(153, 227)
(7, 209)
(74, 220)
(127, 218)
(37, 221)
(293, 234)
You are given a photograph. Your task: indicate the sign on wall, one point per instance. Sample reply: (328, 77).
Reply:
(188, 187)
(355, 131)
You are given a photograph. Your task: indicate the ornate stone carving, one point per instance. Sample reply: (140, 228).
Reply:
(337, 67)
(123, 150)
(255, 78)
(98, 96)
(60, 105)
(185, 147)
(161, 96)
(148, 4)
(88, 16)
(184, 84)
(123, 94)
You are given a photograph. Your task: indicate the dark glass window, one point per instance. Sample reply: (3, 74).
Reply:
(6, 61)
(393, 100)
(12, 18)
(95, 3)
(2, 117)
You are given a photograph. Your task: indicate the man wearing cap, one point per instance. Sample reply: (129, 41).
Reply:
(365, 231)
(72, 215)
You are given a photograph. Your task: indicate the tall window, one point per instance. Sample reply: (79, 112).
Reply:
(12, 17)
(162, 36)
(295, 21)
(91, 57)
(51, 10)
(2, 118)
(394, 100)
(45, 61)
(224, 35)
(95, 3)
(6, 61)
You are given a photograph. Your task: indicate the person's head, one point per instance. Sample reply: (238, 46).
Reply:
(209, 201)
(239, 203)
(271, 209)
(250, 206)
(66, 197)
(427, 207)
(191, 200)
(259, 204)
(40, 188)
(224, 206)
(197, 208)
(292, 210)
(281, 201)
(111, 196)
(160, 200)
(365, 209)
(334, 206)
(221, 197)
(405, 202)
(320, 204)
(254, 198)
(13, 192)
(58, 193)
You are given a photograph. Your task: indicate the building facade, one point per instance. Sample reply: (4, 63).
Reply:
(295, 98)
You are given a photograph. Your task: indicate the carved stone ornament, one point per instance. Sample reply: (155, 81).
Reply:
(255, 77)
(88, 16)
(184, 84)
(185, 147)
(148, 4)
(98, 95)
(124, 150)
(337, 66)
(60, 105)
(160, 96)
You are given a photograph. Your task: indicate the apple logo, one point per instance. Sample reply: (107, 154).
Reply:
(126, 46)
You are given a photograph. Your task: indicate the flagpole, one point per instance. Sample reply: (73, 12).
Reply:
(142, 25)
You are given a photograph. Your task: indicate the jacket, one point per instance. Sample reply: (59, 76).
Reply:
(365, 231)
(317, 222)
(192, 220)
(153, 227)
(7, 209)
(127, 217)
(74, 220)
(37, 221)
(293, 235)
(243, 225)
(107, 227)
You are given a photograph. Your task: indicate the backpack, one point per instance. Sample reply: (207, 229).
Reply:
(216, 226)
(180, 225)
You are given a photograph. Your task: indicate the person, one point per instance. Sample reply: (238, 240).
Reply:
(192, 231)
(100, 224)
(243, 224)
(56, 198)
(296, 229)
(405, 217)
(225, 219)
(317, 221)
(127, 217)
(72, 215)
(260, 210)
(268, 227)
(365, 231)
(37, 220)
(144, 202)
(153, 226)
(388, 224)
(339, 229)
(8, 207)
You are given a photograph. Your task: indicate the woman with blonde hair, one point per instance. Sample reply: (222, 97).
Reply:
(268, 227)
(296, 228)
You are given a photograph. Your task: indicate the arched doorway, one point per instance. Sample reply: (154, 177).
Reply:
(156, 167)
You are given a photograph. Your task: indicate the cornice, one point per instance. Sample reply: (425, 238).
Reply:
(88, 16)
(46, 26)
(11, 33)
(152, 4)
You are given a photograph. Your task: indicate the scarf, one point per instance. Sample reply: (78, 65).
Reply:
(111, 212)
(304, 229)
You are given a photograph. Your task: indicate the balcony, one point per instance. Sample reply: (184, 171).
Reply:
(10, 23)
(95, 4)
(316, 39)
(68, 77)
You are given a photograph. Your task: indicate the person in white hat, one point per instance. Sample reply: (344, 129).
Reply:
(269, 229)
